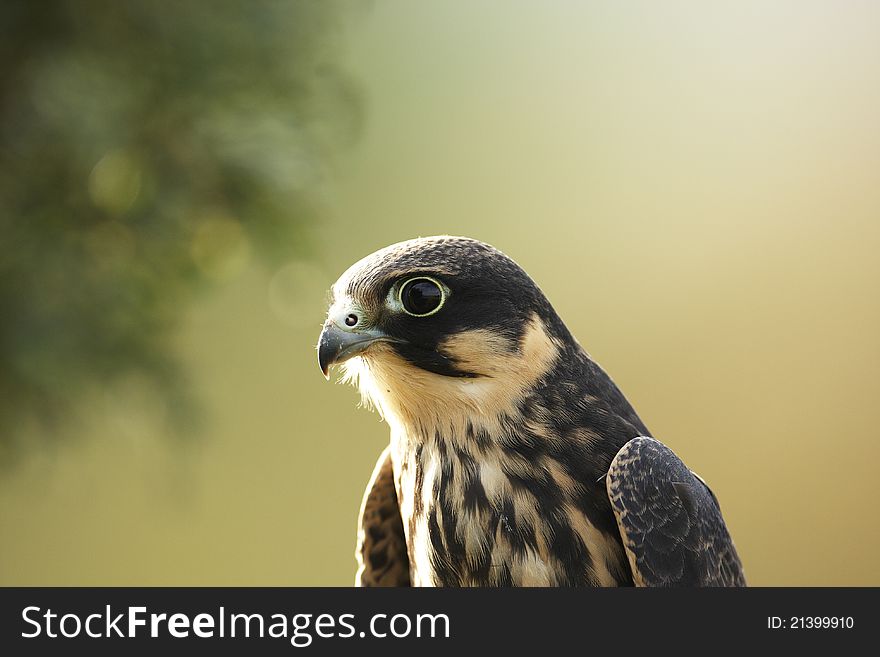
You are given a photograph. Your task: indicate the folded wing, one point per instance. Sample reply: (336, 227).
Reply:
(669, 520)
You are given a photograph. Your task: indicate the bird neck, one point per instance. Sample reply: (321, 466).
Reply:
(421, 404)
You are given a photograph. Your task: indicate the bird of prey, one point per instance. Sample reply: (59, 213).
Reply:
(514, 459)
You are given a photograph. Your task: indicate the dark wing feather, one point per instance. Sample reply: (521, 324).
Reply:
(381, 544)
(669, 520)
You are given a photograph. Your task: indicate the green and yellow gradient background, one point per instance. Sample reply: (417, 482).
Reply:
(695, 186)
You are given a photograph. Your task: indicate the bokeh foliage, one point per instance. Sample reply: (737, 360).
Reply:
(147, 150)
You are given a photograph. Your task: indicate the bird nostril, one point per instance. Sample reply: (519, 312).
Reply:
(351, 319)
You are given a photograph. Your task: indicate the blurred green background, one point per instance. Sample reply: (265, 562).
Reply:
(696, 187)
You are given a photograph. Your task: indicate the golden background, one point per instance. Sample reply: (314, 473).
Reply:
(695, 186)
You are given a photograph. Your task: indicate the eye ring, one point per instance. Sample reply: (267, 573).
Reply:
(408, 286)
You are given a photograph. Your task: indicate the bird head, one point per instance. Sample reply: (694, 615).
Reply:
(436, 326)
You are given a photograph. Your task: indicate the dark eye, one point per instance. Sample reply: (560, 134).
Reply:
(421, 296)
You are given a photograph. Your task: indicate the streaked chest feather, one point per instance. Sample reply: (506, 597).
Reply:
(485, 519)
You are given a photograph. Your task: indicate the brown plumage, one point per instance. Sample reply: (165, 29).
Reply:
(381, 543)
(514, 460)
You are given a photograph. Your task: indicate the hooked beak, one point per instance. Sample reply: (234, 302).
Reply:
(337, 345)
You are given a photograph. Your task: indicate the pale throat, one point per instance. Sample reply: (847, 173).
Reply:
(418, 404)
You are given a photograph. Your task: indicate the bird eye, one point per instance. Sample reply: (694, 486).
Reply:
(421, 297)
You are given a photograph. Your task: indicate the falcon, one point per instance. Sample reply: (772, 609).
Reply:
(514, 459)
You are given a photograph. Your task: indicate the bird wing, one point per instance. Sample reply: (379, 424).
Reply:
(669, 520)
(381, 543)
